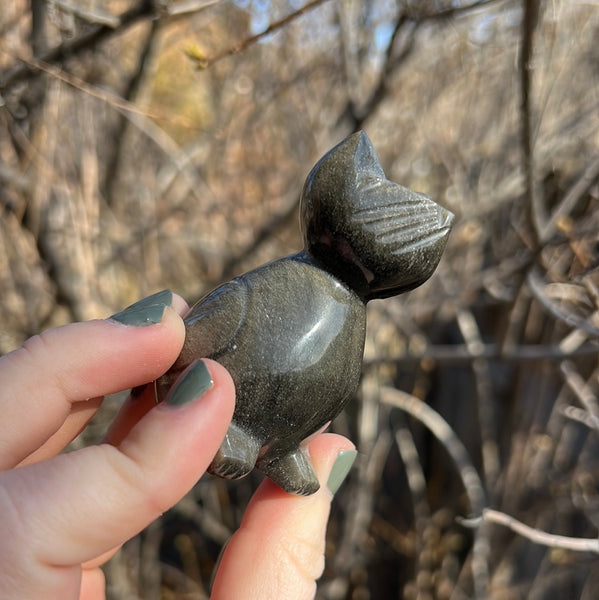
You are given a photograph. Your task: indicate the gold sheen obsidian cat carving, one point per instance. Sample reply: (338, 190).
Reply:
(291, 332)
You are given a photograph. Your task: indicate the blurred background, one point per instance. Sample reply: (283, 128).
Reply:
(146, 145)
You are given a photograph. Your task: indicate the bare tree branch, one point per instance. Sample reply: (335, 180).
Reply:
(537, 287)
(203, 62)
(392, 62)
(408, 22)
(535, 535)
(91, 15)
(471, 481)
(117, 102)
(580, 415)
(571, 199)
(461, 354)
(529, 23)
(582, 391)
(114, 160)
(25, 70)
(435, 423)
(484, 391)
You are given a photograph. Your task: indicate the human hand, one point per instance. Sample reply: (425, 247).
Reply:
(63, 515)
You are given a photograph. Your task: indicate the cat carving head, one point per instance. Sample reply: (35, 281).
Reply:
(377, 236)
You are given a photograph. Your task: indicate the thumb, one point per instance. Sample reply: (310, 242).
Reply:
(278, 552)
(59, 513)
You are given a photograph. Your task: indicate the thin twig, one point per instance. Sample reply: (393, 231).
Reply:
(114, 160)
(390, 65)
(91, 15)
(422, 514)
(582, 391)
(537, 287)
(580, 415)
(139, 116)
(439, 427)
(459, 354)
(485, 398)
(536, 536)
(203, 62)
(265, 233)
(454, 10)
(188, 7)
(24, 70)
(571, 199)
(393, 60)
(110, 98)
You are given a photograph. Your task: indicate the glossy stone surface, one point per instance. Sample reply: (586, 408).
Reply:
(291, 332)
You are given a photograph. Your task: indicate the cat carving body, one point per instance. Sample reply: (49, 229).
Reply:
(291, 332)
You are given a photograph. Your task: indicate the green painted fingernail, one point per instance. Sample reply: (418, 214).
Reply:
(148, 311)
(194, 382)
(344, 462)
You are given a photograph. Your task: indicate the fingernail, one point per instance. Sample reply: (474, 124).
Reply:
(148, 311)
(194, 382)
(344, 462)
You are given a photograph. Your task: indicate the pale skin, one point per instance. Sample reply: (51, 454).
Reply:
(63, 515)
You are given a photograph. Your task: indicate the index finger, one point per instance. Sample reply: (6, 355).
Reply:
(42, 380)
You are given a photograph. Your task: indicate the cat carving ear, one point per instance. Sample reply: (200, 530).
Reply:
(377, 236)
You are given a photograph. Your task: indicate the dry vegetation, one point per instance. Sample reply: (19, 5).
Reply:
(148, 146)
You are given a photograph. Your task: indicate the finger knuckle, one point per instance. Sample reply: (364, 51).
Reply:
(304, 556)
(37, 351)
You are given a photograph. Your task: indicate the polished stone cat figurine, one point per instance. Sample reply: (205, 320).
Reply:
(291, 332)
